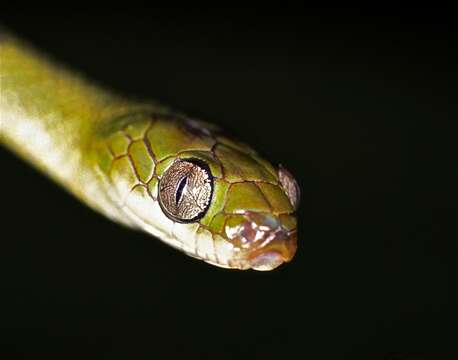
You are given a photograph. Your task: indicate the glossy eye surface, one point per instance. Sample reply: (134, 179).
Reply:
(185, 190)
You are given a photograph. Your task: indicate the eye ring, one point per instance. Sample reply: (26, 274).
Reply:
(186, 190)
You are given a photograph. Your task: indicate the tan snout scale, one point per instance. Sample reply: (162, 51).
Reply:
(147, 166)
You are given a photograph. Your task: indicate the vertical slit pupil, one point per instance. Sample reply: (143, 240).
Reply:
(180, 188)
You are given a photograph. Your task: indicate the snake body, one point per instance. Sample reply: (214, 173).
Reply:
(147, 166)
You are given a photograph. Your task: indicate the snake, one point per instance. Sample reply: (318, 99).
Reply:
(145, 165)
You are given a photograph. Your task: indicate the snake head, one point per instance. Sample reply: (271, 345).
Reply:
(251, 214)
(212, 197)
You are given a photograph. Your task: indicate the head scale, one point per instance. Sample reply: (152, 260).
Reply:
(210, 196)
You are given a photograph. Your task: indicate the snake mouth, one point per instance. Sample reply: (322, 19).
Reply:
(261, 240)
(279, 250)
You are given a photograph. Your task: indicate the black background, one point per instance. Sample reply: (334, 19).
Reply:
(359, 104)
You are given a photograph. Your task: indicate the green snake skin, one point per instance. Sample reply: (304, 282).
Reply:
(112, 153)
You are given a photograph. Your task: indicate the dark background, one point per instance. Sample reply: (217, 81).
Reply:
(359, 104)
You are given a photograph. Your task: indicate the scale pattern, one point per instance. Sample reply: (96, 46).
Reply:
(135, 156)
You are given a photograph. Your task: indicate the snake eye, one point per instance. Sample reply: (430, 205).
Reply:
(185, 190)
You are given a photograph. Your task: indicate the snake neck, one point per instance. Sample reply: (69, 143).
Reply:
(51, 118)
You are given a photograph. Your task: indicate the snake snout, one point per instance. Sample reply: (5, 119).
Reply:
(263, 241)
(280, 249)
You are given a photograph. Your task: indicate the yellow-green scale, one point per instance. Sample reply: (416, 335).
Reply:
(50, 117)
